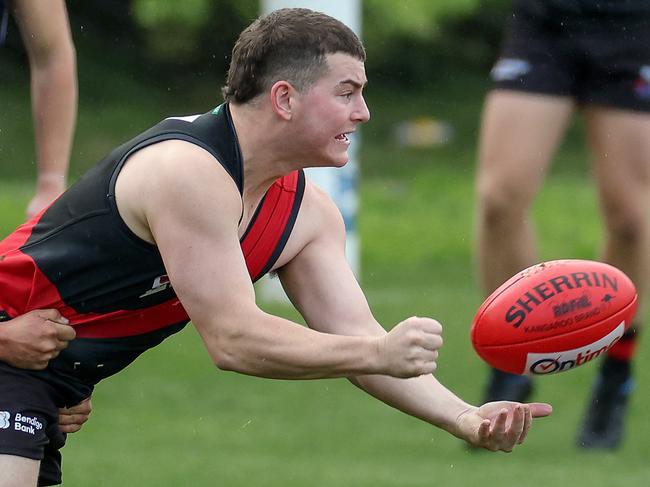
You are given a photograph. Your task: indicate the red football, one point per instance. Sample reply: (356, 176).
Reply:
(554, 316)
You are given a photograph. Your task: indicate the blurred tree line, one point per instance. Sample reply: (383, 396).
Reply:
(414, 41)
(170, 57)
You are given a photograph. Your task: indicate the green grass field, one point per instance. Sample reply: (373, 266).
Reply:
(173, 419)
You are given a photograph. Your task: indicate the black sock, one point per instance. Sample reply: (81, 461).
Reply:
(616, 369)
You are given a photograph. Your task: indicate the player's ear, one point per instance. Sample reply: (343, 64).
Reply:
(281, 99)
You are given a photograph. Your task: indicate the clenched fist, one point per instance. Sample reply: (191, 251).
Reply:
(411, 347)
(31, 340)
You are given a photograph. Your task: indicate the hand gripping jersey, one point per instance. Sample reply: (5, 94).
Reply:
(79, 257)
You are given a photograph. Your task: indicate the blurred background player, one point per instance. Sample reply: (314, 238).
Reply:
(45, 30)
(559, 56)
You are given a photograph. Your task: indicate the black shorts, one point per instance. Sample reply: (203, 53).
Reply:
(593, 58)
(29, 421)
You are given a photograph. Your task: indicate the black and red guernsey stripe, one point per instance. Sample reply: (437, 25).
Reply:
(269, 231)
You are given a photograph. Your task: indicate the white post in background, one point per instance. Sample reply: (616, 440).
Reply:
(339, 183)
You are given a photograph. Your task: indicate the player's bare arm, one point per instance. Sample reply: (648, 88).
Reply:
(46, 34)
(322, 286)
(191, 210)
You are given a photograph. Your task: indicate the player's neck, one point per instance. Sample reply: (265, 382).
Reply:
(265, 152)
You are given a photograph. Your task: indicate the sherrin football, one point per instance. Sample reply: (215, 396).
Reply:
(554, 316)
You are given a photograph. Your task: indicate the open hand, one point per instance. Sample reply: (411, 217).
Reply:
(499, 425)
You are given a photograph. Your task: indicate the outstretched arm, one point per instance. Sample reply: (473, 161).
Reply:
(46, 34)
(322, 286)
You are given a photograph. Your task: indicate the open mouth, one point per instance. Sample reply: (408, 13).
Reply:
(342, 138)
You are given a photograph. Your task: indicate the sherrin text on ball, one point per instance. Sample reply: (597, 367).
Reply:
(554, 316)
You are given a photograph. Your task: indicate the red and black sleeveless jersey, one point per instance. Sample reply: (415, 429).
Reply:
(79, 257)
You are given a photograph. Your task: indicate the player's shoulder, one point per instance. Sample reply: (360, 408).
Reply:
(175, 177)
(319, 219)
(319, 225)
(319, 207)
(172, 150)
(178, 164)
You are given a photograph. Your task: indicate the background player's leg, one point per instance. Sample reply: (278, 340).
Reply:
(520, 133)
(18, 471)
(621, 152)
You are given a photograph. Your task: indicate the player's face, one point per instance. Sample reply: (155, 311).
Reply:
(332, 109)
